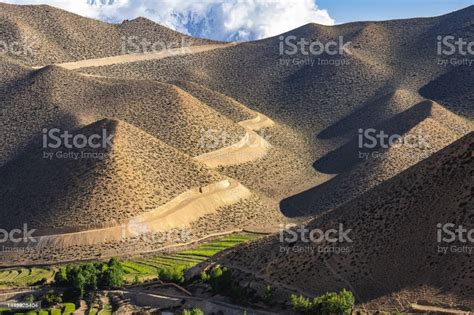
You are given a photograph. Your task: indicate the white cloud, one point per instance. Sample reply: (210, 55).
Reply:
(215, 19)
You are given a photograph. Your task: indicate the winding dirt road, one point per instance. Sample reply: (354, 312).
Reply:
(191, 204)
(250, 148)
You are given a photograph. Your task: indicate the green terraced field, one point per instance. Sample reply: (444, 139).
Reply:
(143, 268)
(64, 309)
(146, 268)
(25, 276)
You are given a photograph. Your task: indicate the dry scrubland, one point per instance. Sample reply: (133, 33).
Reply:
(158, 110)
(53, 36)
(327, 104)
(253, 212)
(61, 98)
(137, 174)
(381, 261)
(432, 127)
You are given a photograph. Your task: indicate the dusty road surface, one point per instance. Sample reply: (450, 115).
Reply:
(107, 61)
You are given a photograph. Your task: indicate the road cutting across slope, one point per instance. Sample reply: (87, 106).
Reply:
(127, 58)
(436, 309)
(185, 208)
(250, 148)
(179, 212)
(259, 122)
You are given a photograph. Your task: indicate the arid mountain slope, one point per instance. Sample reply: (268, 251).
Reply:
(393, 229)
(65, 99)
(165, 112)
(221, 103)
(47, 35)
(327, 98)
(72, 187)
(454, 90)
(384, 57)
(424, 129)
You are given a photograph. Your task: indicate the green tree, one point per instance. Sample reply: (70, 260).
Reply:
(90, 273)
(301, 304)
(51, 298)
(77, 282)
(221, 279)
(335, 303)
(114, 262)
(174, 274)
(194, 311)
(204, 277)
(112, 277)
(60, 277)
(326, 304)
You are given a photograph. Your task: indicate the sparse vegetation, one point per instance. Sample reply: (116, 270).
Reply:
(326, 304)
(172, 274)
(268, 294)
(51, 298)
(220, 279)
(194, 311)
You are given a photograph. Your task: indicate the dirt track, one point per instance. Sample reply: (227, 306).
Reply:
(180, 211)
(251, 147)
(138, 57)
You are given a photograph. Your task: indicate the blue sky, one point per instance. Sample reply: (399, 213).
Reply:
(343, 11)
(242, 20)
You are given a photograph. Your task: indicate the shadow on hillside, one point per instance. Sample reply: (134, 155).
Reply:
(367, 116)
(454, 90)
(354, 173)
(36, 187)
(346, 157)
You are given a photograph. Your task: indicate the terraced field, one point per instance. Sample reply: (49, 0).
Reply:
(64, 309)
(24, 277)
(146, 268)
(143, 268)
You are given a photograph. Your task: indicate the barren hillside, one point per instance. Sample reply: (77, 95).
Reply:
(326, 99)
(49, 35)
(246, 136)
(394, 249)
(83, 188)
(57, 96)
